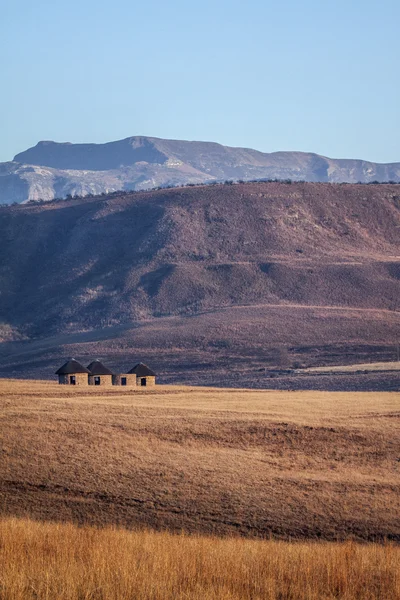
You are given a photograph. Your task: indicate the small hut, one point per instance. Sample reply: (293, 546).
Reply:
(72, 373)
(127, 379)
(99, 374)
(144, 375)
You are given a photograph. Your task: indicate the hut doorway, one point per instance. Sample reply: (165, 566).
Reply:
(97, 381)
(143, 381)
(72, 380)
(123, 380)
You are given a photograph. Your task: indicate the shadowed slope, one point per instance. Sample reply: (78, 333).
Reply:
(121, 262)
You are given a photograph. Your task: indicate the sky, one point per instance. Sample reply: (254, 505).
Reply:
(290, 75)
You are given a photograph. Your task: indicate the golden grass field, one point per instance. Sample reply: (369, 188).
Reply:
(121, 494)
(294, 465)
(66, 562)
(376, 366)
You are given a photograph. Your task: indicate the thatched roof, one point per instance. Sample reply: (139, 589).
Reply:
(97, 368)
(141, 370)
(70, 367)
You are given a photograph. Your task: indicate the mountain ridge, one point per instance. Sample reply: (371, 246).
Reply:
(199, 275)
(53, 169)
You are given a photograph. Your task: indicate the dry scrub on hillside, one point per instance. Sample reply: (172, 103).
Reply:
(65, 562)
(193, 250)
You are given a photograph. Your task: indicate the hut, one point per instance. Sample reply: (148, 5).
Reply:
(99, 374)
(127, 379)
(144, 375)
(72, 373)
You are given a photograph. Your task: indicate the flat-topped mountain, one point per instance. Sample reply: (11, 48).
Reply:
(52, 169)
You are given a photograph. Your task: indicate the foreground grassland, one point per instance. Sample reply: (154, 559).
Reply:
(319, 465)
(65, 562)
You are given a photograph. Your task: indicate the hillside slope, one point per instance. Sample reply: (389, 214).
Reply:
(240, 266)
(52, 169)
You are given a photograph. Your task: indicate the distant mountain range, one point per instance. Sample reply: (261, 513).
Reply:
(54, 170)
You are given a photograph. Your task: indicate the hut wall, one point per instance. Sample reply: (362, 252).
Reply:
(150, 380)
(130, 379)
(104, 380)
(80, 379)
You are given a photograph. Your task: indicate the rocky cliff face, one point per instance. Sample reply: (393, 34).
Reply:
(51, 169)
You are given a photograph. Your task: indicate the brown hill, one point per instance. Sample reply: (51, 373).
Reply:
(226, 270)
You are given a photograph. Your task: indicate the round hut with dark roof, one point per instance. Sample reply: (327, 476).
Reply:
(144, 375)
(99, 374)
(73, 373)
(127, 379)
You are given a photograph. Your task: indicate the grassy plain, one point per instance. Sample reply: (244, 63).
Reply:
(298, 465)
(65, 562)
(375, 366)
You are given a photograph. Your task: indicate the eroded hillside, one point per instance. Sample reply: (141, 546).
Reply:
(301, 259)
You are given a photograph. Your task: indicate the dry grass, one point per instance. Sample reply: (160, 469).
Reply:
(254, 463)
(65, 562)
(376, 366)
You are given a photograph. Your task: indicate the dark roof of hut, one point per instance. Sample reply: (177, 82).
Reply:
(142, 370)
(70, 367)
(97, 368)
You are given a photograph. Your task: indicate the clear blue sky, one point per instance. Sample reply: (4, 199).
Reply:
(304, 75)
